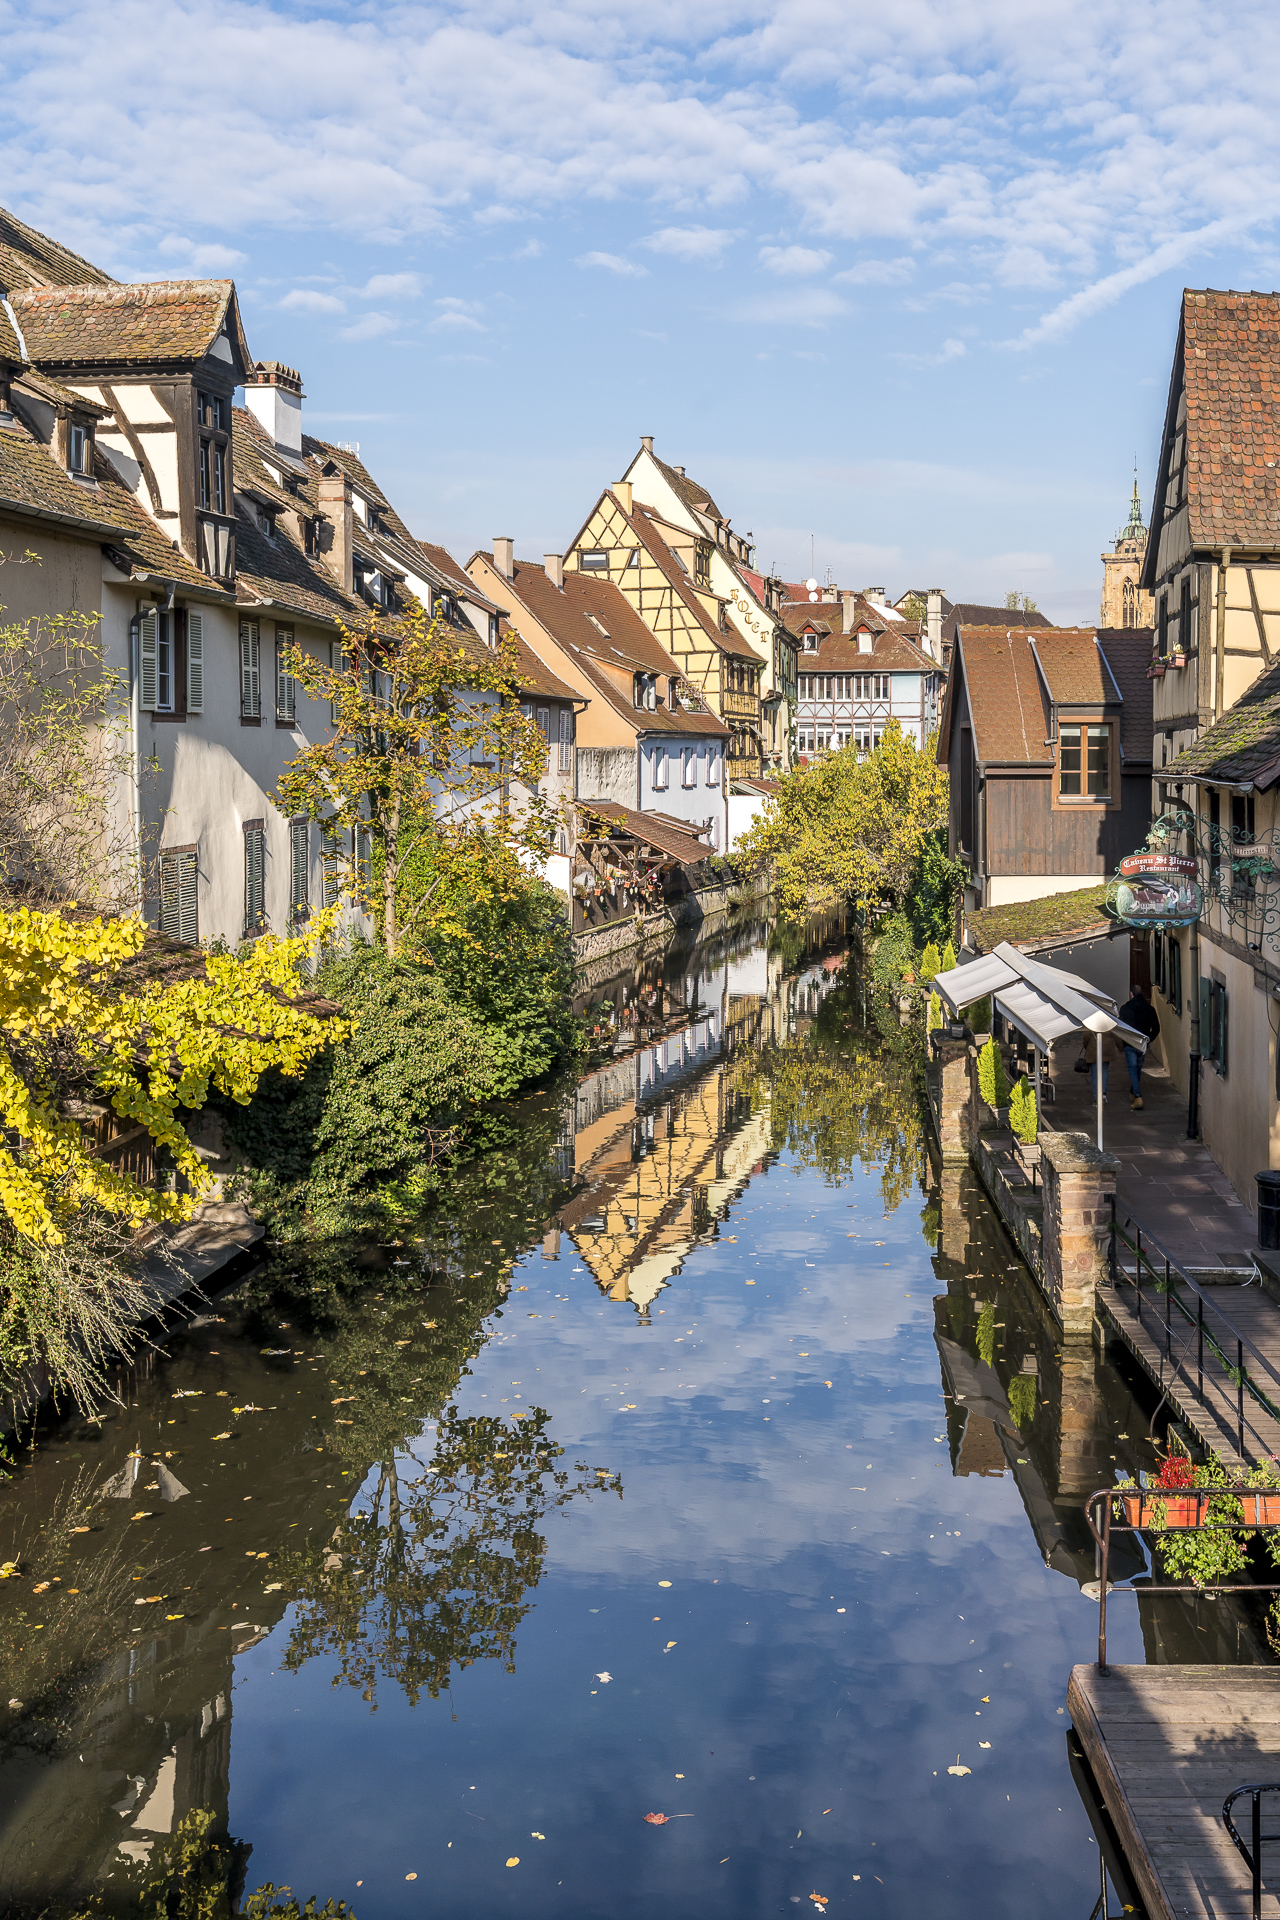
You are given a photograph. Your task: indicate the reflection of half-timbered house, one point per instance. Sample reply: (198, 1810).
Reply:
(861, 665)
(659, 568)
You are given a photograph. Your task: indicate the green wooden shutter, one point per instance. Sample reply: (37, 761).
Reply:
(250, 677)
(1223, 1002)
(285, 695)
(179, 903)
(195, 662)
(149, 660)
(254, 878)
(1206, 1018)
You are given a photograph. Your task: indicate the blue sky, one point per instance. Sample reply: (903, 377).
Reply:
(901, 277)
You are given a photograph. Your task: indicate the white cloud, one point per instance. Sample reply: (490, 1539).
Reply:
(613, 262)
(794, 260)
(802, 307)
(309, 300)
(203, 258)
(369, 327)
(391, 286)
(457, 316)
(876, 273)
(706, 244)
(531, 250)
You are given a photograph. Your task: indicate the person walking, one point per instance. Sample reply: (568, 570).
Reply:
(1098, 1049)
(1138, 1012)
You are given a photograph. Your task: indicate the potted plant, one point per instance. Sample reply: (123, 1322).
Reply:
(1177, 659)
(1195, 1516)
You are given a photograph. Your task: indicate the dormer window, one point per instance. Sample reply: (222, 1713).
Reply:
(594, 562)
(212, 419)
(702, 566)
(865, 642)
(645, 691)
(266, 522)
(80, 450)
(810, 641)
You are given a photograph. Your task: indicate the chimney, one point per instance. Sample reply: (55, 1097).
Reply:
(933, 624)
(623, 494)
(848, 600)
(273, 394)
(504, 556)
(874, 596)
(554, 564)
(334, 493)
(679, 470)
(646, 441)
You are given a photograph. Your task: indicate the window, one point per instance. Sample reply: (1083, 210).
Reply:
(824, 740)
(865, 641)
(219, 479)
(179, 904)
(1162, 626)
(702, 566)
(690, 766)
(543, 717)
(659, 767)
(804, 740)
(862, 739)
(1213, 1022)
(645, 691)
(299, 871)
(79, 450)
(565, 761)
(195, 661)
(713, 766)
(255, 876)
(213, 419)
(879, 686)
(1129, 604)
(250, 674)
(862, 686)
(804, 686)
(206, 490)
(810, 641)
(163, 628)
(595, 562)
(1084, 761)
(1184, 616)
(286, 685)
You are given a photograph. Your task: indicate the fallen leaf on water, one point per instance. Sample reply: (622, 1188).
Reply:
(666, 1649)
(819, 1899)
(826, 1383)
(42, 1586)
(274, 1587)
(664, 1583)
(826, 1810)
(986, 1744)
(411, 1876)
(986, 1699)
(959, 1770)
(79, 1529)
(605, 1678)
(175, 1616)
(657, 1819)
(514, 1861)
(341, 1400)
(143, 1514)
(537, 1836)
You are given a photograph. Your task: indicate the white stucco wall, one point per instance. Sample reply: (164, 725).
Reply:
(744, 808)
(703, 799)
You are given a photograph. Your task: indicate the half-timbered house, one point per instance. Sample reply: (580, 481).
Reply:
(861, 666)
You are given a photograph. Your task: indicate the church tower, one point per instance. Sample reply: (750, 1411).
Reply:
(1124, 604)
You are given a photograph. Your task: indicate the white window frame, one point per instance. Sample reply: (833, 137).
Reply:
(689, 766)
(565, 759)
(659, 769)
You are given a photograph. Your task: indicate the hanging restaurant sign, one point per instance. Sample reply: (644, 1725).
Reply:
(1156, 889)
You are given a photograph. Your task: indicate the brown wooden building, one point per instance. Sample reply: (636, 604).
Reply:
(1046, 733)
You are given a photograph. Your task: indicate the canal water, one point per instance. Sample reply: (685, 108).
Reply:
(685, 1521)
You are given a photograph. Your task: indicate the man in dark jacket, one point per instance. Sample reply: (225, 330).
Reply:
(1138, 1012)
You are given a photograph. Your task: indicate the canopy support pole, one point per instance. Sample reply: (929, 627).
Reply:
(1097, 1048)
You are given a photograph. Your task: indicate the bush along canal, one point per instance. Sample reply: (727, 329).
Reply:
(683, 1519)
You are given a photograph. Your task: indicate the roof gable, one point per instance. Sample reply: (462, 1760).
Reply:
(161, 322)
(1007, 700)
(31, 259)
(1243, 747)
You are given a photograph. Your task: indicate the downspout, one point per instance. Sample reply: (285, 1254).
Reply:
(135, 766)
(1220, 661)
(1193, 1034)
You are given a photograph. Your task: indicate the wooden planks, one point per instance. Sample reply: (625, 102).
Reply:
(1167, 1745)
(1213, 1418)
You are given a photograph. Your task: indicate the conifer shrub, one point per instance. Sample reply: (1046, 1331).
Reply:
(1023, 1118)
(993, 1081)
(930, 961)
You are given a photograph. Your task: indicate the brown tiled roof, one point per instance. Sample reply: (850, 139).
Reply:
(626, 643)
(31, 259)
(1074, 669)
(10, 345)
(965, 614)
(1230, 357)
(1128, 651)
(279, 571)
(32, 480)
(351, 464)
(251, 449)
(652, 832)
(114, 325)
(890, 653)
(1006, 698)
(537, 678)
(726, 639)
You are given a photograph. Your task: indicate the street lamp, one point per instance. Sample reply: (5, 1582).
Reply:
(1099, 1023)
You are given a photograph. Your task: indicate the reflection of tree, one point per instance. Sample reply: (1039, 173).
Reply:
(434, 1573)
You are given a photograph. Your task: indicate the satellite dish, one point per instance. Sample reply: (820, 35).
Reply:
(811, 585)
(813, 596)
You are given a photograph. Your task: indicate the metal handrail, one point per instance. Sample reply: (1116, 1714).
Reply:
(1252, 1859)
(1234, 1489)
(1239, 1374)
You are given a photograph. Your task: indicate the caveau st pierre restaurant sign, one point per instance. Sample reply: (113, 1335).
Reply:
(1157, 889)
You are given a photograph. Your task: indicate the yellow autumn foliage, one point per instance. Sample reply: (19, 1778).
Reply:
(74, 1029)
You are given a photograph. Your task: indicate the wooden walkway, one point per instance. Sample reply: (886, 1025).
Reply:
(1167, 1745)
(1213, 1419)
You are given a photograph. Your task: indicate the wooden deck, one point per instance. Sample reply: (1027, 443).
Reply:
(1167, 1745)
(1213, 1419)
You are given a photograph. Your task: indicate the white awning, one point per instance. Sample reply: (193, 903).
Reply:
(1041, 1001)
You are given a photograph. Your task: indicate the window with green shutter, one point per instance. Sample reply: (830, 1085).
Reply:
(250, 671)
(255, 870)
(299, 849)
(1214, 1022)
(195, 661)
(148, 660)
(179, 906)
(286, 686)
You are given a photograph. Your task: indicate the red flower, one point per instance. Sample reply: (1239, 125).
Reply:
(1176, 1471)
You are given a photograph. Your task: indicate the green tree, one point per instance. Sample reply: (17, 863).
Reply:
(851, 825)
(1020, 602)
(993, 1081)
(426, 752)
(1023, 1119)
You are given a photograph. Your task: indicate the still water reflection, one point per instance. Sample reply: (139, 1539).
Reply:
(709, 1456)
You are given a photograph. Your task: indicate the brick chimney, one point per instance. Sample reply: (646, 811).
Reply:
(273, 394)
(334, 493)
(623, 494)
(554, 564)
(504, 556)
(933, 624)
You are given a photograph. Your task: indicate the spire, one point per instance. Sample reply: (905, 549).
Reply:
(1134, 529)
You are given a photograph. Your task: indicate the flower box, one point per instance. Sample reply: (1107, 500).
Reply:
(1180, 1509)
(1260, 1509)
(1156, 670)
(1178, 660)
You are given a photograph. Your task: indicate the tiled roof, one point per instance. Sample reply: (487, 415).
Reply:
(1128, 651)
(1230, 347)
(535, 677)
(1054, 920)
(890, 653)
(251, 450)
(967, 615)
(113, 325)
(31, 259)
(351, 464)
(1243, 748)
(1006, 700)
(1075, 670)
(667, 838)
(31, 479)
(10, 345)
(279, 571)
(726, 639)
(626, 643)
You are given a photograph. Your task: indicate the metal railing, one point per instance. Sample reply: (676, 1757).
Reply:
(1251, 1853)
(1152, 1510)
(1202, 1332)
